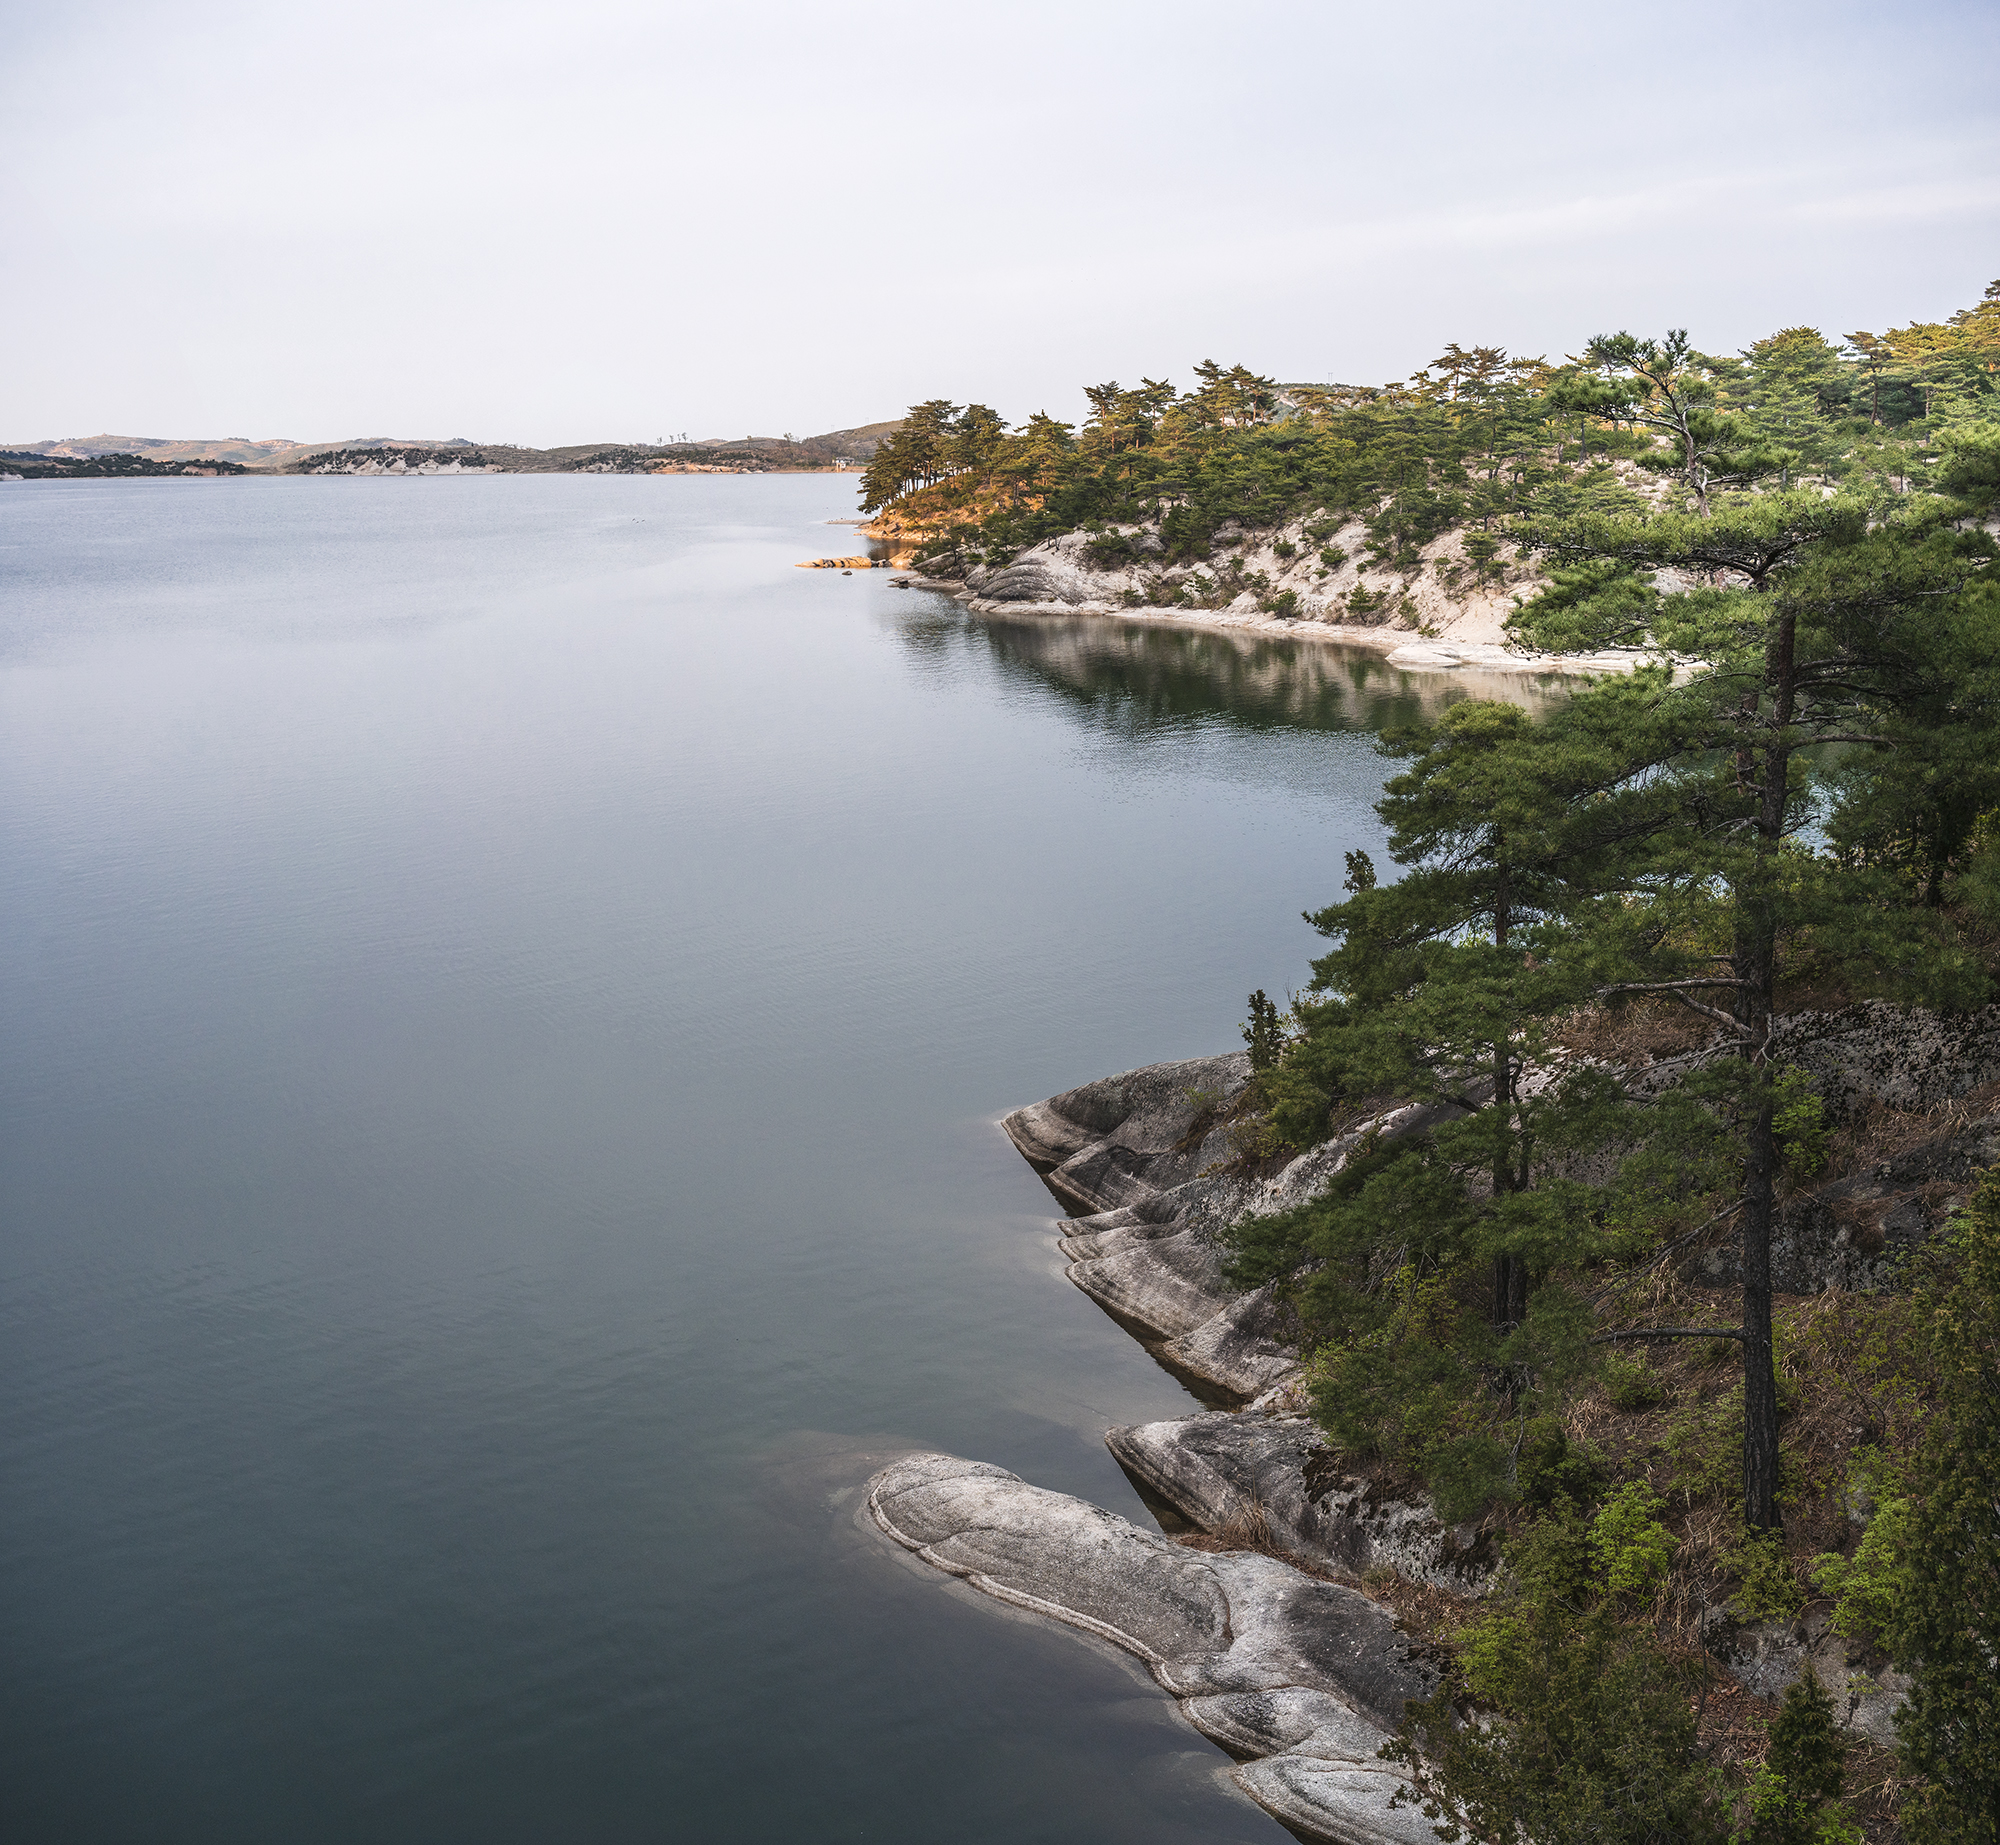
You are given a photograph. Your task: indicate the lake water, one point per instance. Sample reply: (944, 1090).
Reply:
(509, 987)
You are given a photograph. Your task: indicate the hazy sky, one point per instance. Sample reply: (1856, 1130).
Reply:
(562, 222)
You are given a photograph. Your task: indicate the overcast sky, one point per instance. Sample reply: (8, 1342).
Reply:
(552, 223)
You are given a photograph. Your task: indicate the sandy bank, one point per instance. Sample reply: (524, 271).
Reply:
(1399, 646)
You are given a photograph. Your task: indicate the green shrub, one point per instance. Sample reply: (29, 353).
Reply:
(1632, 1549)
(1590, 1733)
(1799, 1120)
(1332, 556)
(1408, 1387)
(1790, 1800)
(1867, 1586)
(1946, 1614)
(1465, 1476)
(1553, 1471)
(1285, 548)
(1768, 1585)
(1630, 1383)
(1705, 1443)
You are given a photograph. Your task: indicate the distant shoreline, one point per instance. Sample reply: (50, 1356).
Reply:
(16, 471)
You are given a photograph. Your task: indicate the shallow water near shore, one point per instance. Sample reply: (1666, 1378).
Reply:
(509, 989)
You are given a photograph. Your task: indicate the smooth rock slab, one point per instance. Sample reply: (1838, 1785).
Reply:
(1305, 1678)
(1219, 1471)
(1140, 1159)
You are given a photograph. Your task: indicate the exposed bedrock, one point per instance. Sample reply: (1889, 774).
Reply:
(1145, 1165)
(1140, 1159)
(1767, 1657)
(1903, 1057)
(1303, 1678)
(1272, 1479)
(1141, 1154)
(1854, 1232)
(1058, 574)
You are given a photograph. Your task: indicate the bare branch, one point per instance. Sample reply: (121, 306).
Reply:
(1678, 990)
(1675, 986)
(1728, 1021)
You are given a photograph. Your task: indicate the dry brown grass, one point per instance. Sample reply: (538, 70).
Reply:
(1422, 1609)
(1635, 1034)
(1879, 1133)
(1249, 1528)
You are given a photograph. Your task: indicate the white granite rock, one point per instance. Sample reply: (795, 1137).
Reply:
(1305, 1678)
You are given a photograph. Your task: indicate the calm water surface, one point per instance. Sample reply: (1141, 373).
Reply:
(508, 990)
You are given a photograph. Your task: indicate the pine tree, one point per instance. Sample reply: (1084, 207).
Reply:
(1814, 618)
(1445, 989)
(1666, 386)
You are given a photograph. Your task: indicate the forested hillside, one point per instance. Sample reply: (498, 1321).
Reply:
(1706, 1343)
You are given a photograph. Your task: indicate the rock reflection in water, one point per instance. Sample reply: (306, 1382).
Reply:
(1134, 676)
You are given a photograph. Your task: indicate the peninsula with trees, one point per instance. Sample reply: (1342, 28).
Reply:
(1599, 1256)
(1384, 515)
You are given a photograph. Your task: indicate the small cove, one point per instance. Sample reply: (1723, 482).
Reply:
(510, 989)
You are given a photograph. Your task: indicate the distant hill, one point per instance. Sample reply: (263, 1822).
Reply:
(849, 444)
(239, 449)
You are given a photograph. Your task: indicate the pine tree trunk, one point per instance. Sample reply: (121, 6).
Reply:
(1760, 1380)
(1509, 1277)
(1756, 963)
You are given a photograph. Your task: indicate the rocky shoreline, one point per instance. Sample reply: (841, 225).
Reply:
(1300, 1677)
(1144, 1164)
(1445, 625)
(1145, 1156)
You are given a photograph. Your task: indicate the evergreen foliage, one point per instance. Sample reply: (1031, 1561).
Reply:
(1471, 440)
(1790, 1798)
(1265, 1033)
(1944, 1604)
(1590, 1733)
(1816, 621)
